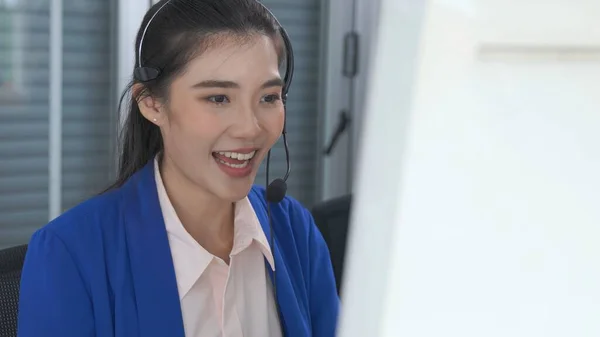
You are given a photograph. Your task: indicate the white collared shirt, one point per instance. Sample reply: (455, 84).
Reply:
(217, 299)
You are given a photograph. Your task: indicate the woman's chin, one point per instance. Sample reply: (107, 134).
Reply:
(235, 194)
(235, 189)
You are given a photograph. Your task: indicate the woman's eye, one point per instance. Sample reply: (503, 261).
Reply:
(218, 99)
(270, 98)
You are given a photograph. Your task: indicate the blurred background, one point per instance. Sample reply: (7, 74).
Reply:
(64, 64)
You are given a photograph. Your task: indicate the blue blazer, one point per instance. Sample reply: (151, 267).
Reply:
(104, 269)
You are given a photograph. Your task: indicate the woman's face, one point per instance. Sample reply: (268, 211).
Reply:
(223, 115)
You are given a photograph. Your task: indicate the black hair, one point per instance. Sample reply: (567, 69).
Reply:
(181, 30)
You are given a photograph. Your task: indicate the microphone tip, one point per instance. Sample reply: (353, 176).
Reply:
(276, 190)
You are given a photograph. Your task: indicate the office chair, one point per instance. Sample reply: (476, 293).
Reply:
(332, 217)
(11, 263)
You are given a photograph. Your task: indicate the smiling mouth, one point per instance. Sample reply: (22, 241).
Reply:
(236, 160)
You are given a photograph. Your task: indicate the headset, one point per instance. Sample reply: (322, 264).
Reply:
(276, 189)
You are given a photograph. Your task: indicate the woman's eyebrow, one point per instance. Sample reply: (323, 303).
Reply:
(274, 82)
(216, 84)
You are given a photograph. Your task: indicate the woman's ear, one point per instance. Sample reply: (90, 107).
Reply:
(150, 107)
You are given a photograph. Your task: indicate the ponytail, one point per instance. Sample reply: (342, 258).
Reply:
(140, 141)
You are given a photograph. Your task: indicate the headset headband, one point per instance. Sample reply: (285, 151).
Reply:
(146, 74)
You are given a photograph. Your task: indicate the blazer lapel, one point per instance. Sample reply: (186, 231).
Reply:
(158, 307)
(289, 308)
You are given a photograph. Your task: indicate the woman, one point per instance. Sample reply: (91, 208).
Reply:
(179, 246)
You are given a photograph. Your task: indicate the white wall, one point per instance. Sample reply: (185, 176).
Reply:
(366, 24)
(493, 230)
(130, 15)
(334, 171)
(342, 93)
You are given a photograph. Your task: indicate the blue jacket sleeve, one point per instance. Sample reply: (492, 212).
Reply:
(53, 300)
(324, 301)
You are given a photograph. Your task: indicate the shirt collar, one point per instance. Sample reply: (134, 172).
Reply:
(190, 259)
(247, 228)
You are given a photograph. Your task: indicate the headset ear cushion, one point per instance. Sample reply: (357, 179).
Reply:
(145, 74)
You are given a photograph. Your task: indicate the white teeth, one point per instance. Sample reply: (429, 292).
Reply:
(245, 157)
(242, 165)
(238, 156)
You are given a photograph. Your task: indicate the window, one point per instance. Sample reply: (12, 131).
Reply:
(83, 110)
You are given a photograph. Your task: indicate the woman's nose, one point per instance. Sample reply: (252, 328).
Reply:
(246, 124)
